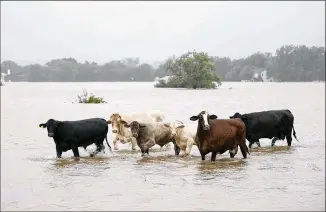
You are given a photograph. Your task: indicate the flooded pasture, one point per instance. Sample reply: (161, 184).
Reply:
(272, 178)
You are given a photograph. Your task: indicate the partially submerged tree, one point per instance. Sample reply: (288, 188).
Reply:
(191, 70)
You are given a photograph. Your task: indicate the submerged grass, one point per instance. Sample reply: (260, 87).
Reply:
(89, 98)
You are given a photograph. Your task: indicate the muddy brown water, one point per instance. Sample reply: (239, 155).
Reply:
(279, 178)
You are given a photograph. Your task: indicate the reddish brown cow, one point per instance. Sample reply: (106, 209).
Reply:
(219, 135)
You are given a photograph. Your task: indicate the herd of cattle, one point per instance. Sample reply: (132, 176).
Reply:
(209, 134)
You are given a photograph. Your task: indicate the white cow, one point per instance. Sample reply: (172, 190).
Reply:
(184, 134)
(122, 133)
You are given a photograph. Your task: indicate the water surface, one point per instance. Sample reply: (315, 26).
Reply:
(279, 178)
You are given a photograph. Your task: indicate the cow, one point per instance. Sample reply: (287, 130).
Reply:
(184, 135)
(219, 135)
(149, 134)
(122, 133)
(69, 135)
(276, 124)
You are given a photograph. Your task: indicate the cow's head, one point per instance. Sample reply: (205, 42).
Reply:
(239, 116)
(116, 121)
(135, 127)
(203, 119)
(175, 127)
(52, 126)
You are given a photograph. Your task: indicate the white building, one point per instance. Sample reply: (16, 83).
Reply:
(3, 76)
(262, 77)
(166, 78)
(265, 77)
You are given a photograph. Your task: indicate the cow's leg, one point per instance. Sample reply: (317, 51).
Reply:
(251, 142)
(176, 148)
(99, 148)
(190, 143)
(74, 147)
(274, 140)
(213, 157)
(233, 151)
(133, 144)
(142, 152)
(243, 148)
(202, 157)
(289, 138)
(183, 152)
(59, 151)
(202, 154)
(258, 143)
(75, 151)
(256, 140)
(115, 143)
(148, 144)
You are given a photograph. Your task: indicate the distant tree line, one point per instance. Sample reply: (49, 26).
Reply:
(289, 63)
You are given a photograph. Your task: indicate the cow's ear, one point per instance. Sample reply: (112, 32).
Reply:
(194, 118)
(212, 116)
(244, 118)
(237, 115)
(42, 125)
(231, 117)
(167, 124)
(123, 122)
(142, 125)
(109, 121)
(181, 126)
(127, 125)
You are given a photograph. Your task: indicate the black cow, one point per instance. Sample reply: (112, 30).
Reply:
(276, 124)
(69, 135)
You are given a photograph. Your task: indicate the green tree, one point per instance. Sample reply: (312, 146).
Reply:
(191, 70)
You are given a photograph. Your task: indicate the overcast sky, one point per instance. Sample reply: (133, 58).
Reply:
(101, 31)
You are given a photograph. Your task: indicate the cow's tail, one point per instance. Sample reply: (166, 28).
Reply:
(294, 134)
(106, 138)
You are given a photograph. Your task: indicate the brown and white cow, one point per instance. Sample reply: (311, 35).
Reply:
(219, 135)
(184, 135)
(122, 133)
(149, 134)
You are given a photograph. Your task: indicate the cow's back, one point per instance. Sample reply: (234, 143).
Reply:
(139, 117)
(157, 116)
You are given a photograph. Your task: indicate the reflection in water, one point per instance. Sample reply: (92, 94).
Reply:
(272, 150)
(221, 164)
(62, 163)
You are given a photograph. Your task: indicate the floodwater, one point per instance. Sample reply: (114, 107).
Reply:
(279, 178)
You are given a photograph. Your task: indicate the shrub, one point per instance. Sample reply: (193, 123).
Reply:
(89, 98)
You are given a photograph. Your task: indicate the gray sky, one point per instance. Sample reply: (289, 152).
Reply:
(101, 31)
